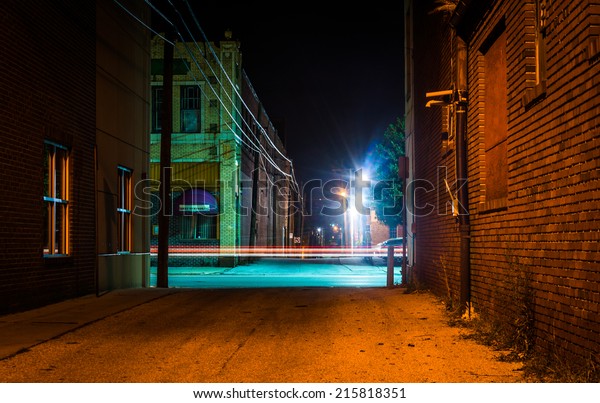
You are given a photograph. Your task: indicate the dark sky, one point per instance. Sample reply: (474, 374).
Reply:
(333, 74)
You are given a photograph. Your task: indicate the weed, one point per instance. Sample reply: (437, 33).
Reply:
(449, 301)
(414, 284)
(544, 366)
(513, 333)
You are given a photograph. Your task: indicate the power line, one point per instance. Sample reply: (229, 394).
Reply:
(190, 53)
(233, 86)
(264, 154)
(226, 75)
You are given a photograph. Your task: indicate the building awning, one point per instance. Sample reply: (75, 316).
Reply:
(195, 201)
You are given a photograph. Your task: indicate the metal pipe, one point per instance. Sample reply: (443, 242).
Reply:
(390, 266)
(462, 174)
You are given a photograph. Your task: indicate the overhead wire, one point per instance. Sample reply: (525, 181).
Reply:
(191, 54)
(264, 154)
(233, 86)
(135, 17)
(193, 14)
(265, 134)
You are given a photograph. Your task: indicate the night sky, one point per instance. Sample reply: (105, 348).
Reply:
(334, 76)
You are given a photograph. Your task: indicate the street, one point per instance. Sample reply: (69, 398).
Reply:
(281, 272)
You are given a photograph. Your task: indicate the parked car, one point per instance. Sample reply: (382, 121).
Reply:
(380, 250)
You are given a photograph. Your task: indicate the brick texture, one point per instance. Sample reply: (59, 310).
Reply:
(547, 231)
(47, 82)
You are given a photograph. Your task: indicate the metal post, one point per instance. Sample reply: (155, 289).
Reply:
(403, 173)
(462, 175)
(390, 266)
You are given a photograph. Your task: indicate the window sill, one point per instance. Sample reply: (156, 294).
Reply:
(493, 206)
(57, 260)
(534, 95)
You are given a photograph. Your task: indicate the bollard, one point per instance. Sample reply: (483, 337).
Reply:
(390, 266)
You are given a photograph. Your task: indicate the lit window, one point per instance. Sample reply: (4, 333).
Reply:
(56, 199)
(124, 210)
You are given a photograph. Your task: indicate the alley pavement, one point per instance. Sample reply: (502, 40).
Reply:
(300, 334)
(21, 331)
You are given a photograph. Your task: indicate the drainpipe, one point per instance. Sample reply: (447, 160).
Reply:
(462, 174)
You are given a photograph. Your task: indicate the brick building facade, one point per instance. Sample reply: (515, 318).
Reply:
(526, 72)
(221, 134)
(51, 79)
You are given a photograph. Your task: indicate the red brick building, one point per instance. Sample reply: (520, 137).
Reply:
(505, 161)
(67, 144)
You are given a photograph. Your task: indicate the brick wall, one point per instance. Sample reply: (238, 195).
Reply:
(379, 231)
(436, 237)
(47, 76)
(549, 229)
(545, 233)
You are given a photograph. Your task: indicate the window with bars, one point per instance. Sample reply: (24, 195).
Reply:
(56, 199)
(190, 109)
(124, 210)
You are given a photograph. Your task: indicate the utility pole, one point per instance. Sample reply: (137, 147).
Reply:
(162, 275)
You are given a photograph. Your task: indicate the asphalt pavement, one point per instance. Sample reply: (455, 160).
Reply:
(250, 335)
(22, 331)
(285, 272)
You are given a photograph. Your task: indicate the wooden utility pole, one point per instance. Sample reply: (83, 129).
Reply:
(162, 275)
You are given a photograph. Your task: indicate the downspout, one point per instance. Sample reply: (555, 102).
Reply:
(252, 240)
(462, 174)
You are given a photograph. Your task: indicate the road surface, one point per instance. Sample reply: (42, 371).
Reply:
(281, 272)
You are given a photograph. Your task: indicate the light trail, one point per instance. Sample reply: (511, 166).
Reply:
(297, 252)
